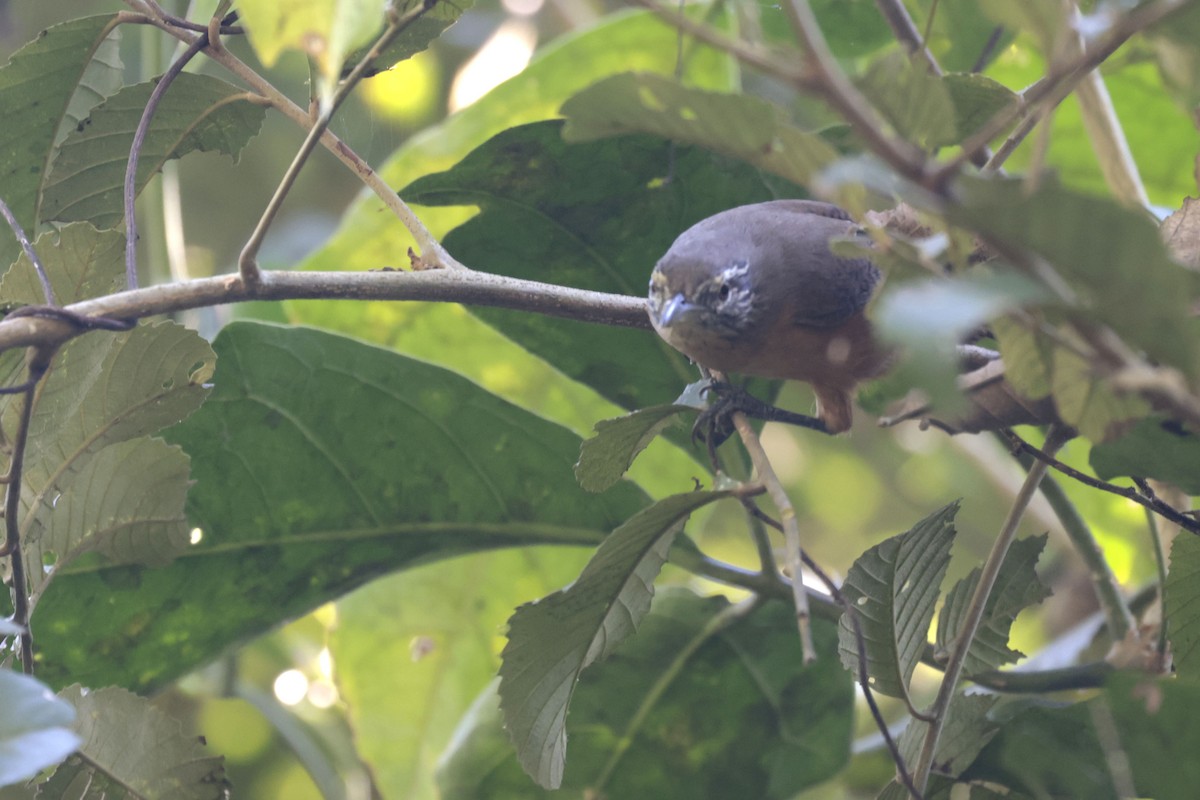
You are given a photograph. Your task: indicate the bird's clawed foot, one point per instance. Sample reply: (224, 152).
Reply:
(715, 424)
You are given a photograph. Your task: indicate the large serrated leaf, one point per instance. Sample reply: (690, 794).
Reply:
(551, 641)
(966, 732)
(687, 710)
(320, 463)
(36, 87)
(35, 728)
(125, 504)
(1182, 605)
(894, 587)
(605, 457)
(131, 750)
(735, 125)
(198, 113)
(80, 261)
(1017, 587)
(915, 102)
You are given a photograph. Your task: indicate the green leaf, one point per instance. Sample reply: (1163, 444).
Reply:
(960, 33)
(736, 125)
(198, 113)
(35, 728)
(80, 261)
(893, 587)
(132, 750)
(1088, 403)
(593, 216)
(916, 102)
(1155, 722)
(1155, 447)
(967, 731)
(1028, 357)
(437, 654)
(1042, 18)
(694, 708)
(976, 98)
(324, 30)
(605, 457)
(1182, 605)
(413, 39)
(1017, 587)
(551, 641)
(36, 87)
(320, 463)
(1112, 256)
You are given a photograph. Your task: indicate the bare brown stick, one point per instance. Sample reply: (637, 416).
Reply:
(247, 261)
(30, 253)
(135, 151)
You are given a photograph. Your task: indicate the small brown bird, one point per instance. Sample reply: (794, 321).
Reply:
(755, 290)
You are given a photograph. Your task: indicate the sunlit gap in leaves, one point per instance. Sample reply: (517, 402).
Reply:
(195, 536)
(502, 56)
(290, 687)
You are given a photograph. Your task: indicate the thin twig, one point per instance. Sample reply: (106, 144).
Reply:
(793, 550)
(1152, 503)
(827, 79)
(1160, 567)
(906, 33)
(431, 250)
(1108, 592)
(247, 261)
(135, 151)
(39, 361)
(1057, 85)
(975, 611)
(30, 253)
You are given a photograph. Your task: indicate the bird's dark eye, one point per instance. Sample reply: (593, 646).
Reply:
(723, 292)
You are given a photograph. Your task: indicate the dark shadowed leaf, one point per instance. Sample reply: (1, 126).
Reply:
(552, 640)
(690, 709)
(320, 463)
(966, 732)
(1154, 448)
(894, 587)
(1182, 605)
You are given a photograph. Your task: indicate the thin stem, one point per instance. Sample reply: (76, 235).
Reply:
(831, 83)
(1108, 592)
(30, 253)
(135, 151)
(38, 363)
(247, 261)
(975, 610)
(906, 33)
(1151, 502)
(793, 550)
(1160, 566)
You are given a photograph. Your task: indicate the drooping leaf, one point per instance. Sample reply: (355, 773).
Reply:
(131, 750)
(413, 39)
(893, 587)
(320, 463)
(605, 457)
(915, 102)
(551, 641)
(1182, 605)
(685, 710)
(35, 728)
(976, 98)
(1017, 587)
(198, 113)
(1086, 401)
(593, 216)
(1153, 448)
(1028, 357)
(437, 654)
(36, 87)
(1112, 256)
(736, 125)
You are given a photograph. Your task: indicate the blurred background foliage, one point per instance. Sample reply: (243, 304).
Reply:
(301, 713)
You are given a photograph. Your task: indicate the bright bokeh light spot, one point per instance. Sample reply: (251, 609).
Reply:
(195, 536)
(322, 694)
(290, 687)
(502, 56)
(408, 92)
(523, 8)
(325, 663)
